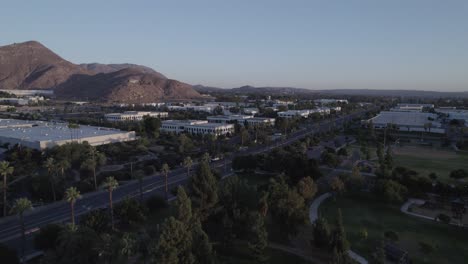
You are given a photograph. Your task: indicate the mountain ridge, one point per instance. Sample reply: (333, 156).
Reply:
(293, 90)
(31, 65)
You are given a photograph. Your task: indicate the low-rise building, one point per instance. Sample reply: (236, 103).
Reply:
(294, 113)
(261, 121)
(130, 116)
(330, 101)
(29, 92)
(411, 107)
(14, 101)
(454, 114)
(407, 121)
(250, 111)
(196, 127)
(228, 119)
(42, 135)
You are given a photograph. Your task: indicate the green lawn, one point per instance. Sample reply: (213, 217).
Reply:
(364, 211)
(240, 255)
(425, 160)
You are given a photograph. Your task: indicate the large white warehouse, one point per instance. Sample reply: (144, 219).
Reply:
(41, 135)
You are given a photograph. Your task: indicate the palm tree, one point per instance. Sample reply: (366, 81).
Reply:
(5, 170)
(111, 184)
(71, 195)
(188, 164)
(95, 159)
(20, 206)
(62, 166)
(140, 175)
(49, 164)
(165, 170)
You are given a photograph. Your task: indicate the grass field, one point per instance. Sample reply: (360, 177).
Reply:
(363, 211)
(240, 255)
(425, 160)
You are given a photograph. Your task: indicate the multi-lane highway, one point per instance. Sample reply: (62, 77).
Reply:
(60, 211)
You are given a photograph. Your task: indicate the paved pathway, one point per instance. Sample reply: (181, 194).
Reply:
(404, 208)
(313, 216)
(313, 209)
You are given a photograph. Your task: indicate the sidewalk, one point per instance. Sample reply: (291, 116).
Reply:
(404, 208)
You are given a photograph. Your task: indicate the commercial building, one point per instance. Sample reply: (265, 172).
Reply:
(14, 101)
(195, 108)
(42, 135)
(261, 121)
(411, 107)
(454, 114)
(250, 111)
(228, 119)
(196, 127)
(294, 113)
(29, 92)
(407, 121)
(330, 101)
(133, 116)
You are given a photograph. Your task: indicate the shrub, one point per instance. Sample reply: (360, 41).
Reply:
(8, 255)
(391, 235)
(458, 174)
(129, 211)
(97, 220)
(426, 248)
(156, 202)
(47, 238)
(443, 218)
(363, 234)
(390, 191)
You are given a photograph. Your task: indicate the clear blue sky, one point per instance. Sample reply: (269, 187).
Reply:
(376, 44)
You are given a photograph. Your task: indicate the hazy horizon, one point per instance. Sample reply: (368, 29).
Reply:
(397, 45)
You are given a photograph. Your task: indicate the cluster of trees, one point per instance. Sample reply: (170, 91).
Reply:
(291, 160)
(332, 239)
(288, 203)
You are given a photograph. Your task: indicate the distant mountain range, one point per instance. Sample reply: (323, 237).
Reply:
(334, 92)
(30, 65)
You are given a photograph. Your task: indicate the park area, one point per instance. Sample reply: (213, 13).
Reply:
(363, 212)
(426, 160)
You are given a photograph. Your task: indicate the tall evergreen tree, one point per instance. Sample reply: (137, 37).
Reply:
(321, 233)
(258, 237)
(379, 256)
(204, 189)
(201, 246)
(184, 206)
(174, 245)
(389, 158)
(339, 241)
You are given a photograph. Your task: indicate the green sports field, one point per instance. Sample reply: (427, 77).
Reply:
(425, 160)
(364, 212)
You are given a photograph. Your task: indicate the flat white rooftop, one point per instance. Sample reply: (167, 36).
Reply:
(40, 134)
(406, 118)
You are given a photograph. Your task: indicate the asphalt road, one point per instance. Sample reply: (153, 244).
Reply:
(59, 212)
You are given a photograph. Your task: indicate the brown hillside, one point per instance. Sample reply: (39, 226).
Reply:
(127, 85)
(30, 65)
